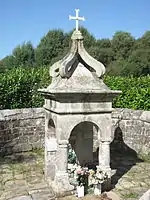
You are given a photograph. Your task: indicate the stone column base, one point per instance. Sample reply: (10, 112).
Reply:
(61, 185)
(106, 186)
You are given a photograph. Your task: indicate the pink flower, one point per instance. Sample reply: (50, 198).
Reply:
(79, 172)
(82, 172)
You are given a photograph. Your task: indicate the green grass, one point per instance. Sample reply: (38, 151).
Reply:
(37, 151)
(130, 195)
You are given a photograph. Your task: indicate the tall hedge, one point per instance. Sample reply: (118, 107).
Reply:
(135, 91)
(18, 89)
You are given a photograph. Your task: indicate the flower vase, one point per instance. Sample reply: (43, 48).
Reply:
(80, 191)
(97, 189)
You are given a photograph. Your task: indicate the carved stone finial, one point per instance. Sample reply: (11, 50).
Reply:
(65, 67)
(77, 55)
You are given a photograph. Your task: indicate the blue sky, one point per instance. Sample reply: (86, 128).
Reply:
(29, 20)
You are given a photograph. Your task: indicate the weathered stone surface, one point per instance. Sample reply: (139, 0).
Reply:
(22, 198)
(15, 129)
(146, 196)
(112, 195)
(79, 93)
(30, 170)
(19, 179)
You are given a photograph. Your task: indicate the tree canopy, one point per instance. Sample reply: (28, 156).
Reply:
(122, 55)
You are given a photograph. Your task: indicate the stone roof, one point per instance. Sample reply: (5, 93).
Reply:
(77, 72)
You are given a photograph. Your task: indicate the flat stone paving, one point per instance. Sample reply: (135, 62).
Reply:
(134, 182)
(22, 178)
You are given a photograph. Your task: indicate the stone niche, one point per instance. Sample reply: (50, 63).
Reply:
(78, 106)
(81, 140)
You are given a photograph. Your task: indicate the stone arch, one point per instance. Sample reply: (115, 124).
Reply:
(50, 127)
(82, 141)
(76, 122)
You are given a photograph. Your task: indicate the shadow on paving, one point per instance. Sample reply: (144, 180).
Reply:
(23, 157)
(122, 157)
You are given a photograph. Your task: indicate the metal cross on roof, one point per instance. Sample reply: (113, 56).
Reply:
(77, 18)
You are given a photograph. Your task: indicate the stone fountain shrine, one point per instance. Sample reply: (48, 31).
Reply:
(77, 105)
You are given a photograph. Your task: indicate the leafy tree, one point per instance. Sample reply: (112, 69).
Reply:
(103, 43)
(144, 41)
(7, 63)
(2, 68)
(123, 55)
(103, 55)
(116, 67)
(122, 45)
(51, 46)
(24, 55)
(138, 63)
(89, 39)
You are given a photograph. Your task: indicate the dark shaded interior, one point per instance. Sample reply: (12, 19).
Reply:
(122, 157)
(81, 140)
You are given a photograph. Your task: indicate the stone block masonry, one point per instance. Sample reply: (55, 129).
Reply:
(23, 129)
(134, 127)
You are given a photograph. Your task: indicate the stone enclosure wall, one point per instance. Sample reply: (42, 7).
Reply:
(23, 129)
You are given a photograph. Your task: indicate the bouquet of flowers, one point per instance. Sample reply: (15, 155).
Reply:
(80, 174)
(96, 177)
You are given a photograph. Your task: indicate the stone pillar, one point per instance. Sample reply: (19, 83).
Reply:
(104, 156)
(61, 182)
(50, 158)
(104, 162)
(62, 164)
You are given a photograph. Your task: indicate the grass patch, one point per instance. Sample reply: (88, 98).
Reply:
(130, 195)
(38, 152)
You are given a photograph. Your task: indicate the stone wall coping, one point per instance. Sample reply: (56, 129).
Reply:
(27, 113)
(129, 114)
(24, 113)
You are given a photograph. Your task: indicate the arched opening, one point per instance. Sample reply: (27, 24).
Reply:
(51, 133)
(50, 149)
(81, 141)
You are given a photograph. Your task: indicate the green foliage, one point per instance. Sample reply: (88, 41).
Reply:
(116, 67)
(103, 43)
(72, 158)
(103, 55)
(24, 55)
(89, 39)
(7, 63)
(130, 195)
(18, 89)
(123, 55)
(122, 44)
(138, 63)
(143, 42)
(51, 46)
(135, 92)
